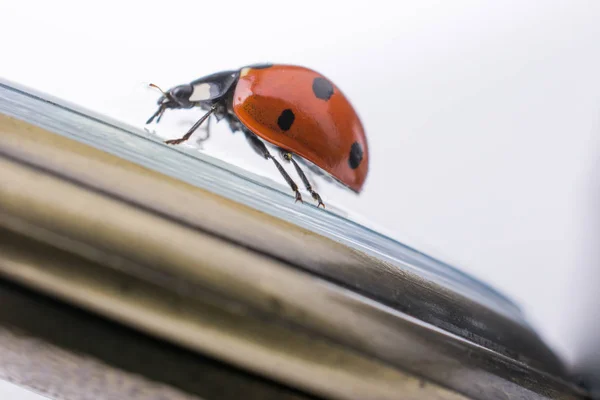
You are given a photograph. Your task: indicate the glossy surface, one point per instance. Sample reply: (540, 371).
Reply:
(121, 247)
(272, 198)
(376, 266)
(299, 110)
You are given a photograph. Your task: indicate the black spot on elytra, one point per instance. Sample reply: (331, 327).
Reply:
(356, 155)
(286, 119)
(322, 88)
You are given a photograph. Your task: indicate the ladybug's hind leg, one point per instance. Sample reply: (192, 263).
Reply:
(288, 157)
(261, 149)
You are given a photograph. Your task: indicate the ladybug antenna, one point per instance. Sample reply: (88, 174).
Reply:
(166, 94)
(156, 87)
(161, 109)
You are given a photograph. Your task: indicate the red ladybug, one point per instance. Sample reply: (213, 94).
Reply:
(293, 109)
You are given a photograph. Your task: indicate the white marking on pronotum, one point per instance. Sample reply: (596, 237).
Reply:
(244, 72)
(201, 92)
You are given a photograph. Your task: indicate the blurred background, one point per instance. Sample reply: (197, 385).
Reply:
(483, 118)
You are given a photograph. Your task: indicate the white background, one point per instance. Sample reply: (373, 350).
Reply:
(483, 118)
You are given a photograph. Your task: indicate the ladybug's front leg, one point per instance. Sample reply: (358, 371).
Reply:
(193, 128)
(261, 149)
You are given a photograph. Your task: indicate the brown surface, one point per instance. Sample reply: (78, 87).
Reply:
(122, 246)
(234, 334)
(62, 375)
(184, 274)
(65, 352)
(200, 209)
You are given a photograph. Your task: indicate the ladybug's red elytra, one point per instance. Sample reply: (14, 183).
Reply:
(293, 109)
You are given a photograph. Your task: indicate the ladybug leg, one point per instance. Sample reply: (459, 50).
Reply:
(193, 128)
(200, 140)
(261, 149)
(158, 115)
(288, 157)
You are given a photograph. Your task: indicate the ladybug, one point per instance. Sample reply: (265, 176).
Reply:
(288, 108)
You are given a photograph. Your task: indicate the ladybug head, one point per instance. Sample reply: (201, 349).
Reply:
(177, 97)
(206, 91)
